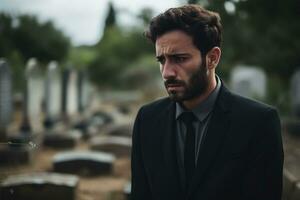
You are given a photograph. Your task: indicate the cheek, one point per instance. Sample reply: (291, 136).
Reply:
(187, 70)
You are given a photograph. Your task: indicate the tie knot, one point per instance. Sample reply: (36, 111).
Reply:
(187, 117)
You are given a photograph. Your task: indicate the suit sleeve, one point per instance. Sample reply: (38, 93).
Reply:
(263, 178)
(140, 189)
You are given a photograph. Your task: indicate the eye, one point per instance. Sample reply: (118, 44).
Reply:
(161, 60)
(179, 59)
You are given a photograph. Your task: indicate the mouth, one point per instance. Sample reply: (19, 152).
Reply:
(174, 86)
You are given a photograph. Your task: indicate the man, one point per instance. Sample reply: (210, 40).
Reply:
(202, 142)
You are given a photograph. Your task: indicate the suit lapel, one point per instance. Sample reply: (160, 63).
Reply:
(169, 147)
(217, 129)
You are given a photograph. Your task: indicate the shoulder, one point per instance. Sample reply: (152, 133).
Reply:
(156, 107)
(243, 107)
(248, 108)
(250, 104)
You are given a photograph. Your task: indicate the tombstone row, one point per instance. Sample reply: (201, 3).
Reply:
(58, 96)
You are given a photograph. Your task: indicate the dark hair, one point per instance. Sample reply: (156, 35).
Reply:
(202, 25)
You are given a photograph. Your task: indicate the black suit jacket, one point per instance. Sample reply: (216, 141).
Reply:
(241, 157)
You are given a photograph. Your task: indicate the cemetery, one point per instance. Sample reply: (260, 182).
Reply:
(66, 116)
(63, 143)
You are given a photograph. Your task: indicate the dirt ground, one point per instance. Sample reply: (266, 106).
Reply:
(102, 187)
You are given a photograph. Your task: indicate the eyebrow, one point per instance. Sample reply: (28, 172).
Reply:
(173, 55)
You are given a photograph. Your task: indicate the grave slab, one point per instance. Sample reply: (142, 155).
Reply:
(69, 139)
(117, 145)
(120, 130)
(85, 163)
(37, 186)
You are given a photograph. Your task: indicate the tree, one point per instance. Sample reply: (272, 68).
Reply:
(25, 35)
(42, 41)
(111, 16)
(116, 51)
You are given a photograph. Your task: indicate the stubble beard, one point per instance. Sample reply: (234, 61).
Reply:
(195, 87)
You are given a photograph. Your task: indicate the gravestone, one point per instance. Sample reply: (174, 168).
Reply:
(66, 107)
(83, 101)
(5, 111)
(295, 94)
(37, 186)
(83, 91)
(127, 191)
(52, 95)
(101, 118)
(117, 145)
(249, 81)
(69, 94)
(86, 163)
(32, 104)
(289, 183)
(5, 99)
(62, 138)
(293, 124)
(23, 144)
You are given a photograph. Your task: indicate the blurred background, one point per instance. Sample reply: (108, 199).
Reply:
(74, 73)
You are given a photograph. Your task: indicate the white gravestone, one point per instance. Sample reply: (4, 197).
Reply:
(34, 90)
(249, 81)
(52, 94)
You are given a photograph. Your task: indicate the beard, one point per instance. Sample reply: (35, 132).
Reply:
(196, 85)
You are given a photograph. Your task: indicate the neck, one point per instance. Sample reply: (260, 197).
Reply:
(192, 103)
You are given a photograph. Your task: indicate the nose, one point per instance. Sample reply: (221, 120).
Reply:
(168, 71)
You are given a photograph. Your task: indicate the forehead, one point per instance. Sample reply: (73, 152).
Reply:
(175, 42)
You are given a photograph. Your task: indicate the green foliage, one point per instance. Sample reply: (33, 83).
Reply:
(263, 33)
(30, 38)
(81, 56)
(116, 51)
(146, 15)
(23, 37)
(141, 73)
(120, 51)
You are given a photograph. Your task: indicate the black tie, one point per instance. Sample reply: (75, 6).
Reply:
(189, 145)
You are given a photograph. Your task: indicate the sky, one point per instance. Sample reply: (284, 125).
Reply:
(82, 20)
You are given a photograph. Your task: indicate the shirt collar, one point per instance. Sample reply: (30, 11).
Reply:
(205, 107)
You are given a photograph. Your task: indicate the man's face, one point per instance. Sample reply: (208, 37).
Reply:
(182, 68)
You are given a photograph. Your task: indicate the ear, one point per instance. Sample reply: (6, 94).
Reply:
(213, 57)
